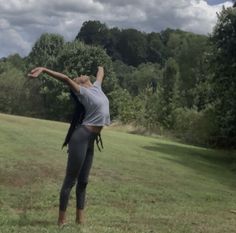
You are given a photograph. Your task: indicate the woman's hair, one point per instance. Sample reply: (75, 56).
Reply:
(77, 117)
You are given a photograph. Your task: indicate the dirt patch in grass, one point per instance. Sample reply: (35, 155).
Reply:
(28, 172)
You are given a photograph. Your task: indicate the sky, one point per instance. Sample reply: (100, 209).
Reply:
(23, 21)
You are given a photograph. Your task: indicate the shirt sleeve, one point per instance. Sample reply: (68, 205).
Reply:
(98, 84)
(82, 92)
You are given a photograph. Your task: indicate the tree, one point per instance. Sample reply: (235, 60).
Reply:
(168, 94)
(14, 95)
(188, 50)
(112, 44)
(123, 106)
(93, 33)
(77, 58)
(145, 75)
(123, 73)
(133, 47)
(156, 48)
(234, 3)
(223, 40)
(17, 61)
(46, 50)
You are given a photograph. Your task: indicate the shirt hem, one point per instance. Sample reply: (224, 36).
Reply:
(95, 124)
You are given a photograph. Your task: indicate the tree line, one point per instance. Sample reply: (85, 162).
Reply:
(169, 81)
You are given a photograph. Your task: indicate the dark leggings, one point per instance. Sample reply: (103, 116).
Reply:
(80, 158)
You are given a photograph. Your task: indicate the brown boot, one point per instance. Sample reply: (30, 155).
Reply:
(61, 218)
(79, 216)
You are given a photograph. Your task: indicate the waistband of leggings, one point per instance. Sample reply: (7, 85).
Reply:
(95, 136)
(89, 131)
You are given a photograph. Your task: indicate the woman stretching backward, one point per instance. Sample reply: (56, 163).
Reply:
(91, 115)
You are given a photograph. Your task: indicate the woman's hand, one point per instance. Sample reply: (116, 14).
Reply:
(36, 72)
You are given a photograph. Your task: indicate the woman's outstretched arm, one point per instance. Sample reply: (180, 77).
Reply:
(100, 74)
(59, 76)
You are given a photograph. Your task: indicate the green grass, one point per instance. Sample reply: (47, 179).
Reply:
(137, 184)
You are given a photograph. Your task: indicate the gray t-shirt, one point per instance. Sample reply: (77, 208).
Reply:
(96, 105)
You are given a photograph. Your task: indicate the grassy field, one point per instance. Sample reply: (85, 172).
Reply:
(137, 184)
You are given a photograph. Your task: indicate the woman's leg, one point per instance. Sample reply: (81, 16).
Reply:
(82, 182)
(77, 152)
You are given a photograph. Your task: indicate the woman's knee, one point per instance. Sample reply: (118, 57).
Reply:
(81, 185)
(68, 184)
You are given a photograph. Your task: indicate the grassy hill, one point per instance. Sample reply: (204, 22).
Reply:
(137, 184)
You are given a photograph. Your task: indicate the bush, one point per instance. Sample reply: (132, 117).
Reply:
(195, 127)
(122, 105)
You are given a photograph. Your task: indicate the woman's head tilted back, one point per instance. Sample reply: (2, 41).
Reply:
(82, 80)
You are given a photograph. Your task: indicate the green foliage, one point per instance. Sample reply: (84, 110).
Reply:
(17, 62)
(76, 58)
(133, 46)
(147, 110)
(93, 33)
(45, 51)
(123, 72)
(137, 79)
(203, 93)
(112, 44)
(194, 126)
(223, 63)
(128, 45)
(14, 93)
(146, 75)
(156, 48)
(189, 51)
(73, 59)
(123, 106)
(168, 93)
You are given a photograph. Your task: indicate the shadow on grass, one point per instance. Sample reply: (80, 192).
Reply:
(206, 161)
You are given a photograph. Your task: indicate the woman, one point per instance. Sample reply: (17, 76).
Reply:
(81, 142)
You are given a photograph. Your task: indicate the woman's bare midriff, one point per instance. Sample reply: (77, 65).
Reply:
(95, 129)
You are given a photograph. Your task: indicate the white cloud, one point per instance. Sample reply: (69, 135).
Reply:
(4, 24)
(199, 16)
(12, 42)
(76, 6)
(23, 21)
(19, 6)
